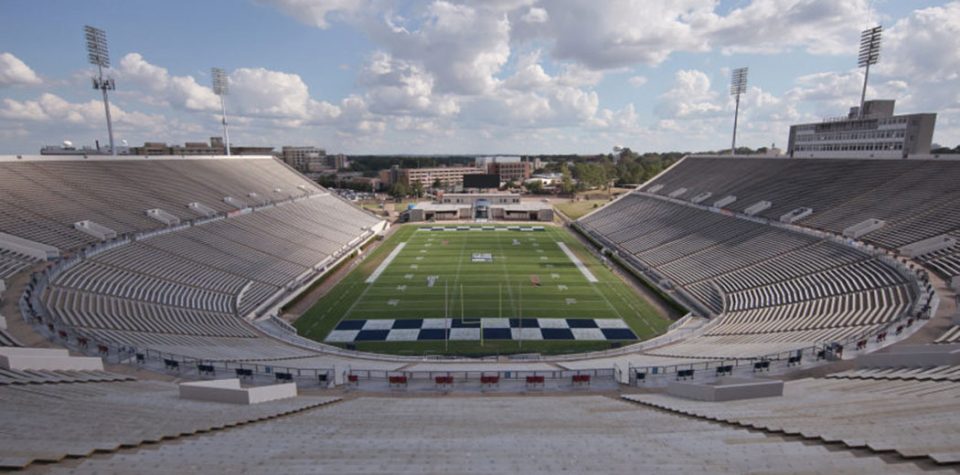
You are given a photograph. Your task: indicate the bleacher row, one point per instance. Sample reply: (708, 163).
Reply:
(12, 262)
(118, 291)
(41, 199)
(185, 290)
(918, 199)
(947, 261)
(912, 412)
(764, 283)
(579, 434)
(952, 335)
(76, 420)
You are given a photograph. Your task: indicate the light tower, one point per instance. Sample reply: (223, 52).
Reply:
(869, 54)
(738, 86)
(99, 56)
(221, 87)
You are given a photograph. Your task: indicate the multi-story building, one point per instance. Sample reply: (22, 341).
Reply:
(451, 177)
(390, 176)
(877, 133)
(512, 171)
(341, 162)
(509, 168)
(215, 147)
(305, 159)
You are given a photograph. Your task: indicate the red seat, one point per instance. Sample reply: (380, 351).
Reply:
(353, 378)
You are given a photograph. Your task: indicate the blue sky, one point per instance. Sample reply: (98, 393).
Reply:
(493, 76)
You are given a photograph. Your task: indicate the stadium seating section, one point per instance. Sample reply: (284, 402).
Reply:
(772, 288)
(181, 292)
(191, 287)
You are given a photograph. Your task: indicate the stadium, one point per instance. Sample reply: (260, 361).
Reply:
(732, 314)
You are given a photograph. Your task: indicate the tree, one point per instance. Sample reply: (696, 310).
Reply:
(417, 188)
(566, 181)
(534, 186)
(592, 175)
(437, 184)
(399, 190)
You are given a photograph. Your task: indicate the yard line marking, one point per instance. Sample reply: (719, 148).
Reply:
(577, 262)
(386, 262)
(506, 274)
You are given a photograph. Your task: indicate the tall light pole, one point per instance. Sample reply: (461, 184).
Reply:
(221, 87)
(869, 54)
(738, 86)
(99, 56)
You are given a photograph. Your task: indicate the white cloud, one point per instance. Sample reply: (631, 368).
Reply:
(13, 71)
(401, 87)
(178, 91)
(316, 12)
(924, 45)
(616, 33)
(261, 92)
(769, 26)
(535, 15)
(50, 108)
(637, 81)
(461, 46)
(690, 96)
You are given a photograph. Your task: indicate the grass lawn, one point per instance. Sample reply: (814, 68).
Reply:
(467, 289)
(575, 210)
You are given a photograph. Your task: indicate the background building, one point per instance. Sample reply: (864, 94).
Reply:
(877, 134)
(510, 168)
(215, 147)
(451, 177)
(304, 159)
(481, 206)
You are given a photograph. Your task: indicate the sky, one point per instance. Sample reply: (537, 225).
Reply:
(468, 76)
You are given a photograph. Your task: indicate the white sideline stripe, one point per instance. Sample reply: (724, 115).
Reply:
(576, 261)
(386, 262)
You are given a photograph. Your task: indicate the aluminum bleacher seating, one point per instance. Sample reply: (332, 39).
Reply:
(75, 420)
(186, 290)
(771, 289)
(916, 417)
(533, 435)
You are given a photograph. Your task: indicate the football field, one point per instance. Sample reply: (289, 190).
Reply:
(472, 290)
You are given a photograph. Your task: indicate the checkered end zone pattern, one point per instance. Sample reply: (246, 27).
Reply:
(528, 329)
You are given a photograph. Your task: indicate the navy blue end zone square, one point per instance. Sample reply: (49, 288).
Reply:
(581, 323)
(351, 324)
(457, 323)
(432, 334)
(372, 335)
(524, 323)
(407, 324)
(618, 334)
(497, 334)
(556, 333)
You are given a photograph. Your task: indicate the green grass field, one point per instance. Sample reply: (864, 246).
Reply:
(501, 288)
(577, 209)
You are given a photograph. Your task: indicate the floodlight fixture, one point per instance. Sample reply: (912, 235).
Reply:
(99, 55)
(221, 87)
(738, 86)
(869, 55)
